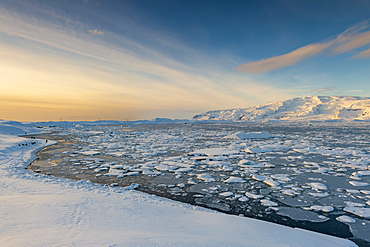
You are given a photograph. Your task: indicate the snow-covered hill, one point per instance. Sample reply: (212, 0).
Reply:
(319, 108)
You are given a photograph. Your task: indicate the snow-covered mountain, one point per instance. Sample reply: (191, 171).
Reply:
(319, 108)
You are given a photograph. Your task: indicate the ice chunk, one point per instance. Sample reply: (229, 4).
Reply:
(181, 185)
(256, 150)
(117, 153)
(323, 194)
(318, 186)
(191, 181)
(226, 194)
(243, 199)
(361, 173)
(218, 163)
(114, 172)
(267, 148)
(326, 209)
(249, 164)
(163, 167)
(295, 201)
(206, 177)
(345, 219)
(241, 135)
(288, 192)
(90, 152)
(321, 170)
(355, 177)
(359, 211)
(253, 196)
(305, 150)
(271, 182)
(277, 147)
(118, 167)
(131, 174)
(259, 177)
(225, 169)
(353, 191)
(281, 177)
(234, 180)
(355, 183)
(268, 203)
(251, 135)
(354, 204)
(184, 169)
(299, 214)
(214, 152)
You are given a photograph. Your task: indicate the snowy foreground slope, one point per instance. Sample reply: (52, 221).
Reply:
(319, 108)
(37, 210)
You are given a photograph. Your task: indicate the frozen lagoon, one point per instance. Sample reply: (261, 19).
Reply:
(311, 176)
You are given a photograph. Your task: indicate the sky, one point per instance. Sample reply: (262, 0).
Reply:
(142, 59)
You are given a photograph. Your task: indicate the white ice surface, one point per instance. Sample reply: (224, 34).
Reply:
(214, 151)
(37, 210)
(355, 183)
(205, 177)
(345, 219)
(251, 135)
(359, 211)
(234, 180)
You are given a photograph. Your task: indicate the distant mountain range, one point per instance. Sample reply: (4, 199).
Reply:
(311, 108)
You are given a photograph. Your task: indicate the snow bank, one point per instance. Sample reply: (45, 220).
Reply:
(16, 128)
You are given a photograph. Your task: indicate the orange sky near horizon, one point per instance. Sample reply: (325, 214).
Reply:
(126, 60)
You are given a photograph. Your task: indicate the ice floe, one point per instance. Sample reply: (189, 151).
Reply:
(300, 214)
(226, 194)
(234, 180)
(359, 211)
(214, 152)
(268, 203)
(253, 196)
(242, 135)
(318, 186)
(345, 219)
(206, 177)
(326, 209)
(358, 184)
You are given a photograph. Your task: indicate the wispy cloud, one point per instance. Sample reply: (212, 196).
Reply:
(285, 60)
(354, 42)
(363, 54)
(321, 90)
(96, 32)
(355, 90)
(314, 90)
(120, 74)
(352, 38)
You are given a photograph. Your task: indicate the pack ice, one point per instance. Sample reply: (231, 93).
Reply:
(43, 210)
